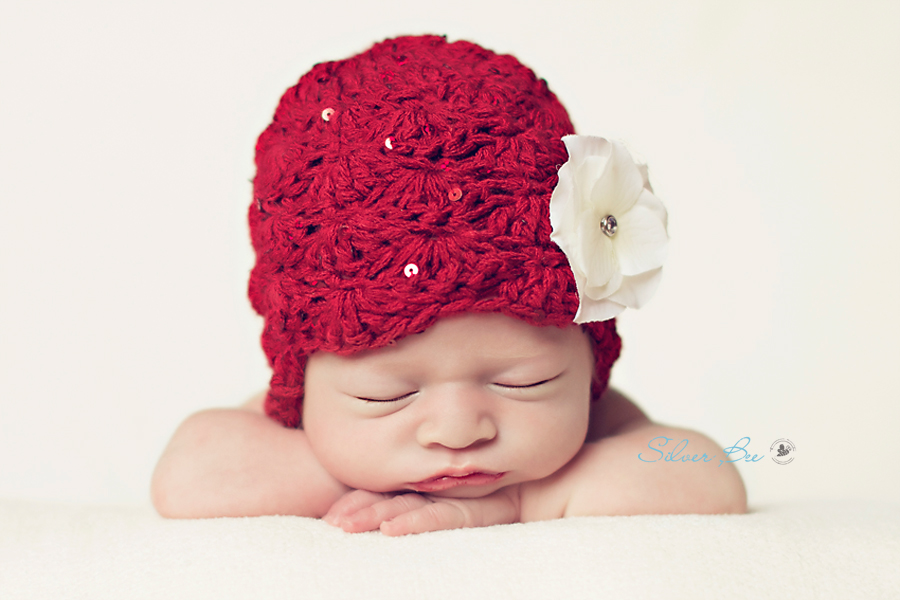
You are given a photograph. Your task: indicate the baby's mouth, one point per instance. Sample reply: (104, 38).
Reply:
(446, 481)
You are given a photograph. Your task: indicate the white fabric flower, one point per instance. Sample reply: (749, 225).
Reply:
(617, 263)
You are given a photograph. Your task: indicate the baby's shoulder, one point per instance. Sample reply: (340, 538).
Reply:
(584, 480)
(255, 404)
(547, 498)
(615, 436)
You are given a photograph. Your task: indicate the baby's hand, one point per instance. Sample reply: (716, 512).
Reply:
(402, 514)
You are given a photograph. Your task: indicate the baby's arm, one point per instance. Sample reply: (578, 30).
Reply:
(607, 478)
(239, 462)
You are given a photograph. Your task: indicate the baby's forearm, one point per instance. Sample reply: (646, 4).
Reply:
(238, 463)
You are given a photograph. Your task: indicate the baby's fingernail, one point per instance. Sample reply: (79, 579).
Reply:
(388, 528)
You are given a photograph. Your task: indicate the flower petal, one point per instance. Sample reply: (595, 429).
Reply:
(588, 156)
(636, 291)
(645, 175)
(641, 241)
(590, 311)
(599, 292)
(581, 146)
(562, 208)
(597, 308)
(596, 254)
(621, 183)
(592, 170)
(648, 200)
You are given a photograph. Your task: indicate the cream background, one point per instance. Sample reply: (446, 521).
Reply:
(771, 128)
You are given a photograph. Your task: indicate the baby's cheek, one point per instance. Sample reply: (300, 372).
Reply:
(353, 456)
(328, 441)
(563, 437)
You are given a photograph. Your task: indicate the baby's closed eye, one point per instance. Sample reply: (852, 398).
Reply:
(388, 399)
(527, 385)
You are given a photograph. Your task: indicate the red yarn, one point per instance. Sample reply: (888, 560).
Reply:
(405, 184)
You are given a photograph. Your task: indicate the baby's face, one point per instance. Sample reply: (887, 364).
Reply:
(475, 403)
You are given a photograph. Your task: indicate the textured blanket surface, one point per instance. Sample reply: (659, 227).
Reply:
(849, 550)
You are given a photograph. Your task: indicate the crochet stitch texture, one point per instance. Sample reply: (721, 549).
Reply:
(404, 184)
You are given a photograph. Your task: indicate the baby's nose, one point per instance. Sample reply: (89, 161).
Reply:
(457, 420)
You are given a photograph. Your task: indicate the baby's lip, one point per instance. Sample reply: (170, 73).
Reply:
(452, 478)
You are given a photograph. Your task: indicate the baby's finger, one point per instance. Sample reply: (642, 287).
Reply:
(371, 517)
(350, 503)
(435, 516)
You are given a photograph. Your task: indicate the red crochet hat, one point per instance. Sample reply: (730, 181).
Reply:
(408, 183)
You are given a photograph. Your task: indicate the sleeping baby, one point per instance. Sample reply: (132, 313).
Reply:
(439, 263)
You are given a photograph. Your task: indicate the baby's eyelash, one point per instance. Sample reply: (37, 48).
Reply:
(397, 399)
(529, 385)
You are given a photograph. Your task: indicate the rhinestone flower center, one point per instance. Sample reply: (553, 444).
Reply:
(609, 226)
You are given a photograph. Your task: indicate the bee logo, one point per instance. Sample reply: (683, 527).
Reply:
(783, 451)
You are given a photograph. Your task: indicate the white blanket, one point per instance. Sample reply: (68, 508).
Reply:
(794, 551)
